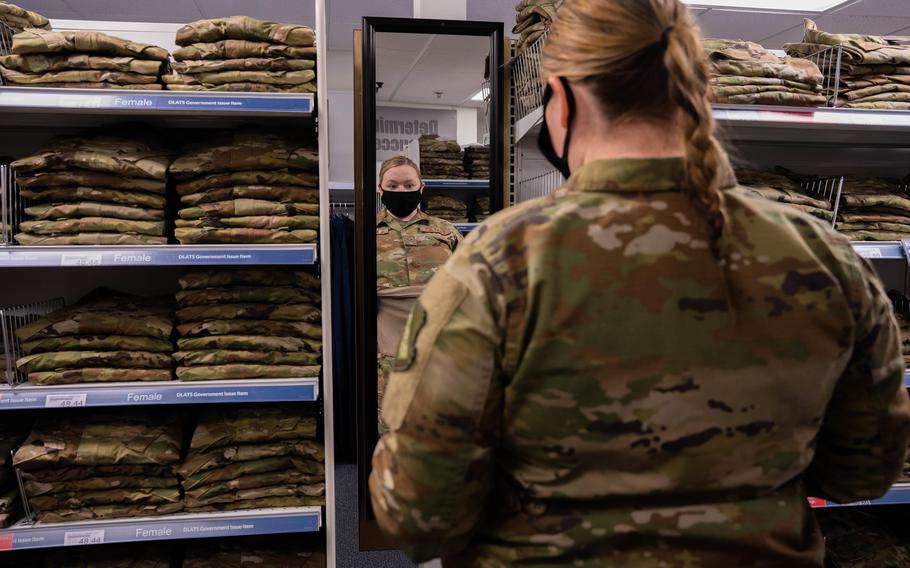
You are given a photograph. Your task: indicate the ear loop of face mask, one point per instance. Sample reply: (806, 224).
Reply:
(545, 143)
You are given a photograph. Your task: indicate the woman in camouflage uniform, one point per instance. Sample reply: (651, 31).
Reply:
(647, 368)
(410, 248)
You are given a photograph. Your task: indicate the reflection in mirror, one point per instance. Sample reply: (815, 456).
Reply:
(432, 163)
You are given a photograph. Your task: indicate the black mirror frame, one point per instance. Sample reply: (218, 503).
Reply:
(365, 215)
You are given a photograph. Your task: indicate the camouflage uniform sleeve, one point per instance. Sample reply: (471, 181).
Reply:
(431, 471)
(862, 444)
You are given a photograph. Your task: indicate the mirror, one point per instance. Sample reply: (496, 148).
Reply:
(431, 167)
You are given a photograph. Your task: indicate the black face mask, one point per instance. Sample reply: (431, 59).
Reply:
(561, 163)
(401, 203)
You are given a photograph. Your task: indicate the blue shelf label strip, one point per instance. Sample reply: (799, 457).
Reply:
(156, 101)
(171, 256)
(154, 530)
(152, 395)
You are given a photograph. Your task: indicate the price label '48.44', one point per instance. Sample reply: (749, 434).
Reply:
(65, 400)
(83, 538)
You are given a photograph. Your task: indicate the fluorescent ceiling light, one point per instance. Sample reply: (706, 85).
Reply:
(789, 5)
(478, 96)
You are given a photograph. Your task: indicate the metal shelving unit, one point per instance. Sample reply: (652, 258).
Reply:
(25, 536)
(38, 112)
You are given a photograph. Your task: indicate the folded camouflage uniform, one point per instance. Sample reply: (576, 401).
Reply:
(94, 190)
(234, 49)
(477, 161)
(245, 28)
(874, 73)
(874, 209)
(448, 208)
(91, 467)
(532, 19)
(13, 432)
(746, 73)
(483, 209)
(106, 336)
(441, 158)
(253, 458)
(20, 18)
(81, 59)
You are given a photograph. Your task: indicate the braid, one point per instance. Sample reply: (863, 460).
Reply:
(688, 80)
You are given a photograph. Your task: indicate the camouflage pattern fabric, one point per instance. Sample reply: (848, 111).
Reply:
(717, 49)
(775, 98)
(222, 357)
(76, 475)
(35, 488)
(247, 208)
(518, 342)
(246, 371)
(97, 343)
(245, 472)
(242, 87)
(264, 503)
(227, 455)
(248, 343)
(41, 41)
(889, 97)
(246, 28)
(91, 209)
(255, 222)
(92, 441)
(735, 80)
(873, 217)
(244, 236)
(105, 154)
(282, 177)
(271, 479)
(88, 178)
(231, 555)
(268, 424)
(723, 92)
(856, 48)
(239, 49)
(246, 150)
(532, 19)
(245, 64)
(247, 294)
(263, 192)
(874, 235)
(250, 327)
(93, 224)
(236, 497)
(882, 105)
(27, 239)
(409, 253)
(91, 316)
(447, 208)
(109, 512)
(240, 76)
(79, 359)
(440, 158)
(36, 64)
(112, 86)
(798, 70)
(293, 312)
(20, 18)
(76, 76)
(60, 194)
(248, 277)
(903, 227)
(77, 500)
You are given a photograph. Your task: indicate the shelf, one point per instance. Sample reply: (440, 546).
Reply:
(53, 107)
(789, 124)
(28, 396)
(163, 255)
(23, 536)
(898, 495)
(457, 183)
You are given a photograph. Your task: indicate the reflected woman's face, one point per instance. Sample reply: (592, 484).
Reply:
(401, 178)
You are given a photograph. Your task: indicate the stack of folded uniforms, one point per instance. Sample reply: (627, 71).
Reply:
(98, 466)
(87, 60)
(477, 161)
(255, 553)
(904, 321)
(483, 209)
(248, 324)
(10, 502)
(105, 337)
(244, 54)
(252, 458)
(873, 209)
(18, 19)
(440, 158)
(99, 190)
(746, 73)
(533, 19)
(448, 208)
(874, 73)
(248, 187)
(780, 188)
